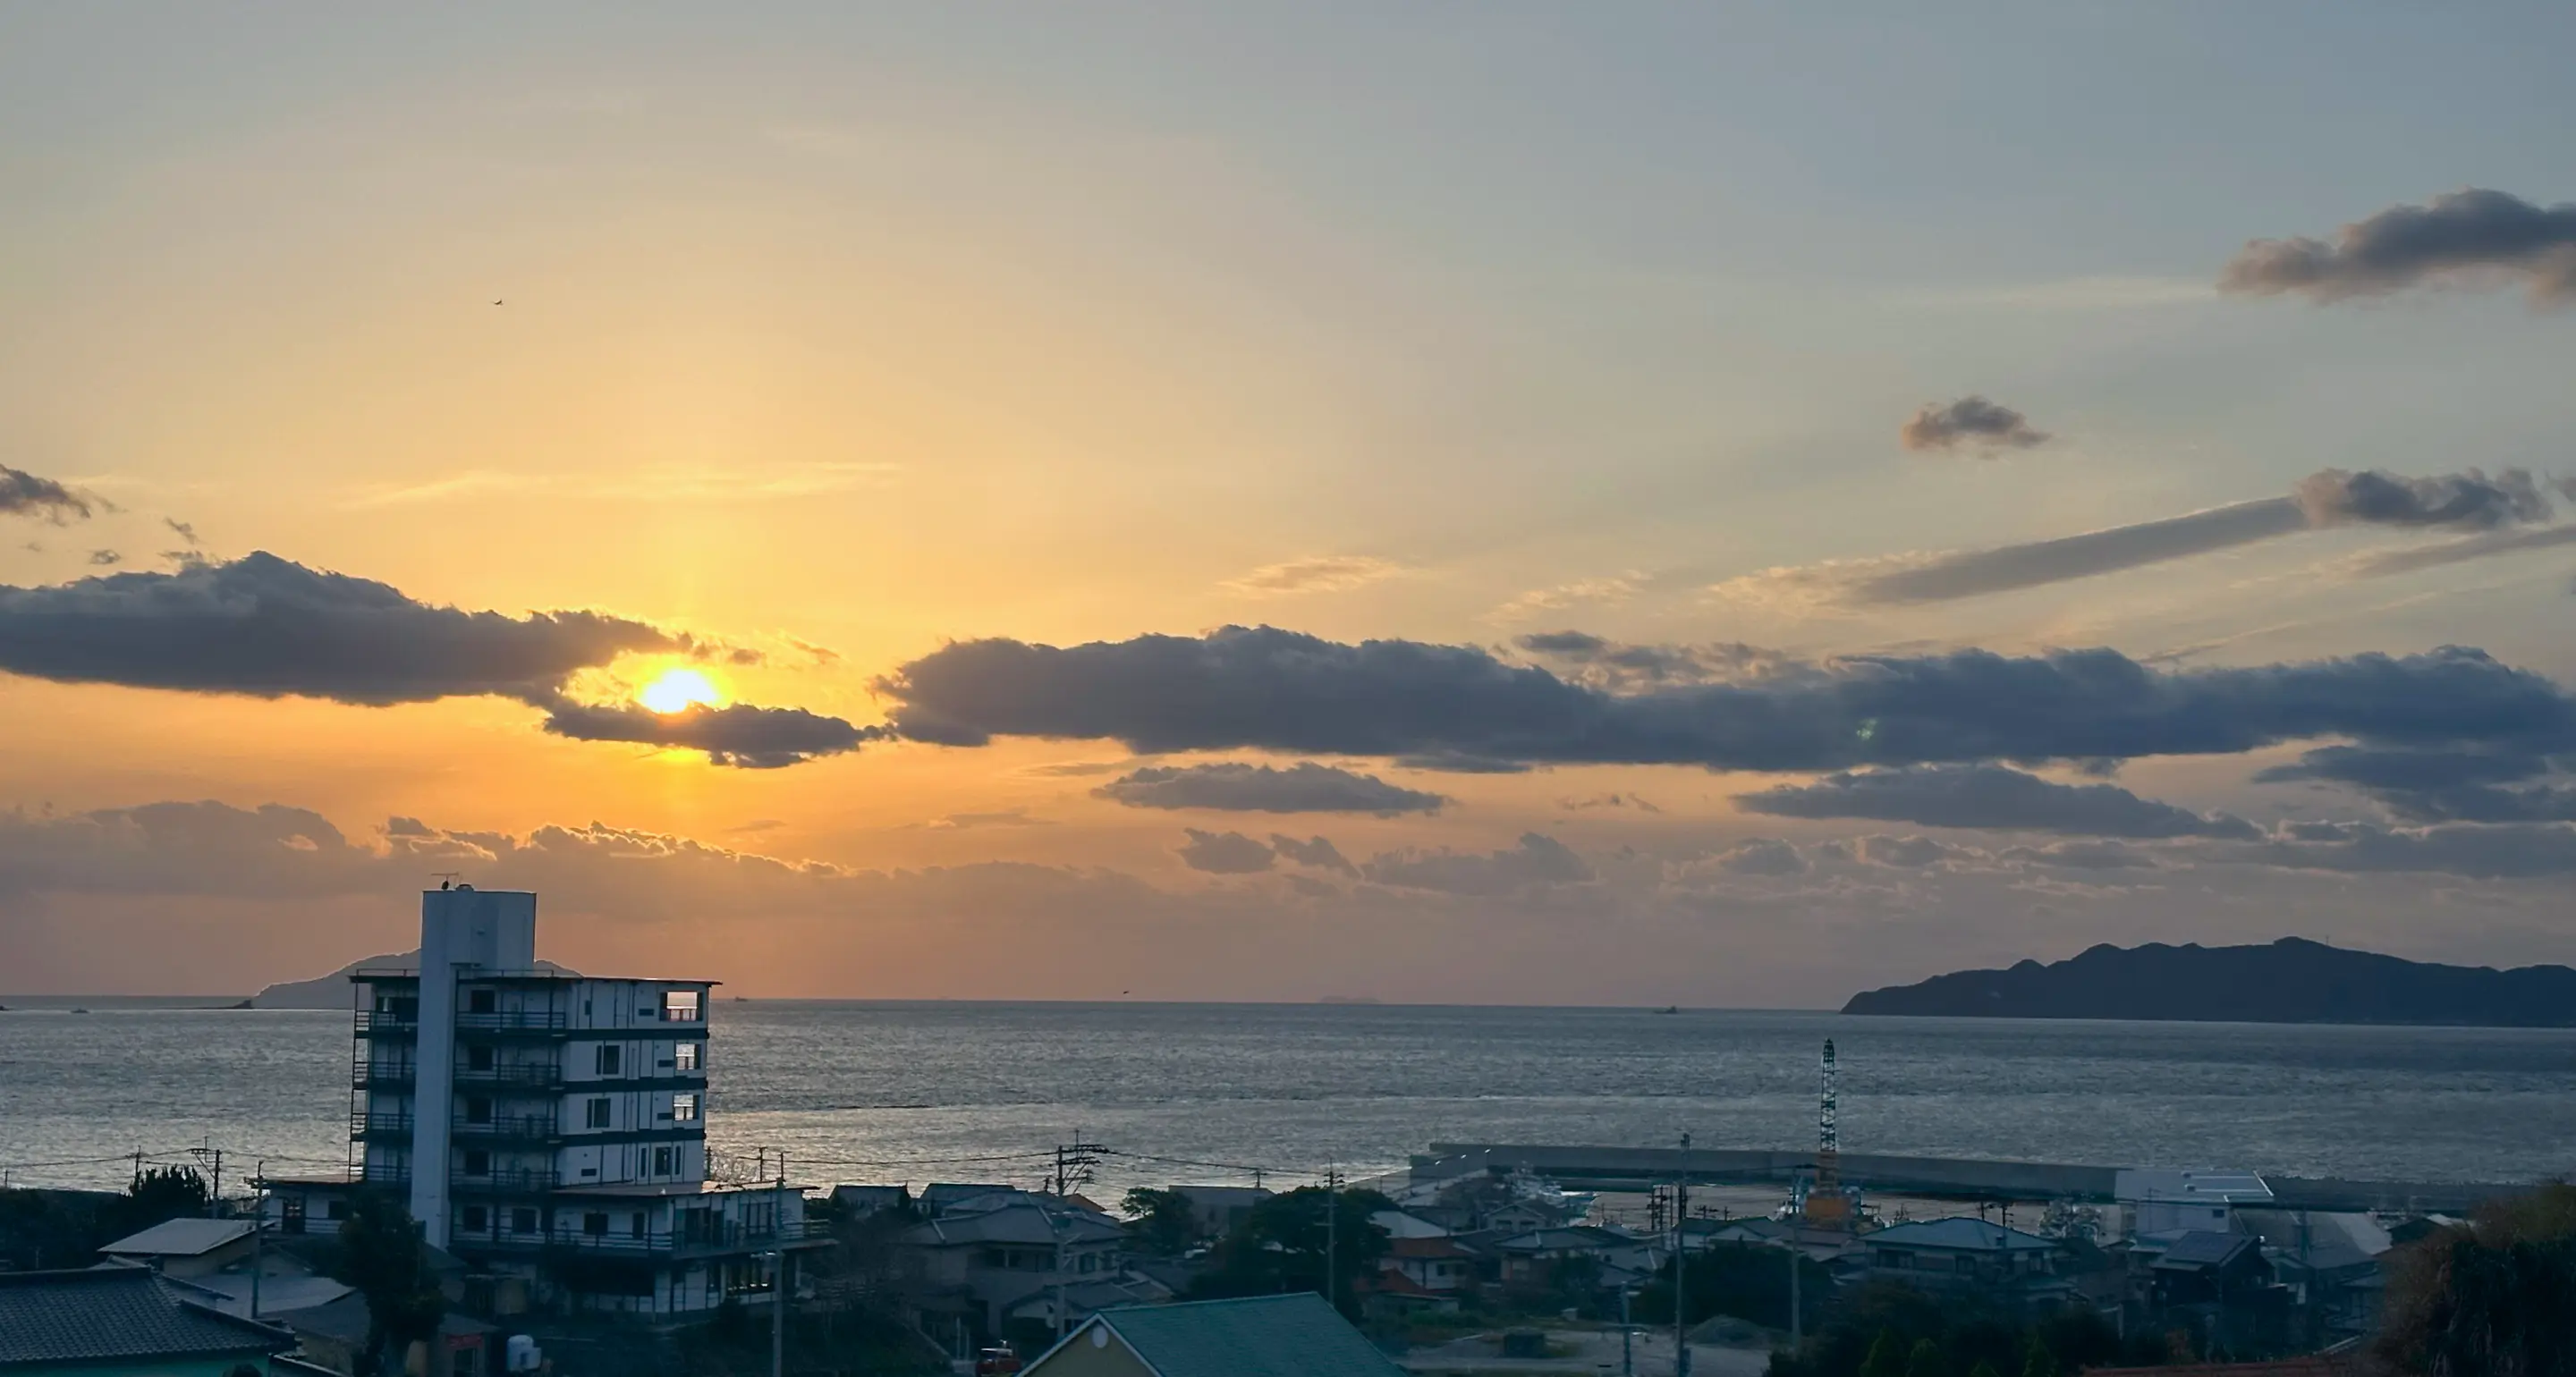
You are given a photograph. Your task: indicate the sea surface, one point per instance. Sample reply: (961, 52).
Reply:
(954, 1091)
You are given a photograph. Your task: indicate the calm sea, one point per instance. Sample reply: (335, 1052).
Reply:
(982, 1092)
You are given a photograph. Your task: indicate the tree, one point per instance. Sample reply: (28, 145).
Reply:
(1886, 1356)
(160, 1194)
(2037, 1360)
(1983, 1369)
(2496, 1298)
(1927, 1360)
(1160, 1223)
(1279, 1246)
(380, 1256)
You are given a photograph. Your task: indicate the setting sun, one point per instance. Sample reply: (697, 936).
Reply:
(678, 688)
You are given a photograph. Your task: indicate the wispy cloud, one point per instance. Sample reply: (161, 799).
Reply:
(2105, 293)
(1315, 574)
(1610, 590)
(658, 484)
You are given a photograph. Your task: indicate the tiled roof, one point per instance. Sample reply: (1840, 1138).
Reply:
(1263, 1336)
(115, 1312)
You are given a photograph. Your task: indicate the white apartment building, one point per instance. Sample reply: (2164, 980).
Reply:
(547, 1128)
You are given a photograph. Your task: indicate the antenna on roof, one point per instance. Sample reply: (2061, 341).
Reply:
(446, 878)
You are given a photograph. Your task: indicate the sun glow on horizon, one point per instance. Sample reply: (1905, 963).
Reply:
(678, 689)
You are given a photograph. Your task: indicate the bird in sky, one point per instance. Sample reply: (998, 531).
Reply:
(496, 301)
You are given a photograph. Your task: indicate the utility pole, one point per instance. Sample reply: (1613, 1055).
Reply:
(1627, 1337)
(1681, 1259)
(1332, 1236)
(1073, 1163)
(778, 1279)
(1797, 1316)
(258, 1239)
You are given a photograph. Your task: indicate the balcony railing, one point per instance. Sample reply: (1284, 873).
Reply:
(388, 1023)
(524, 1127)
(380, 1125)
(537, 1076)
(515, 1021)
(529, 1128)
(505, 1181)
(383, 1075)
(729, 1238)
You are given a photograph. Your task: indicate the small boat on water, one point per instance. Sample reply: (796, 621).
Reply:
(1670, 1009)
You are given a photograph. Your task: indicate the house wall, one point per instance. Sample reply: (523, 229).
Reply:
(191, 1367)
(1081, 1358)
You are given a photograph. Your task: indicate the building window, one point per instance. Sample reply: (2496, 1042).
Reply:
(477, 1219)
(478, 1162)
(291, 1213)
(680, 1006)
(336, 1209)
(635, 1226)
(595, 1223)
(662, 1161)
(482, 1001)
(685, 1057)
(523, 1219)
(598, 1111)
(478, 1109)
(478, 1058)
(610, 1055)
(684, 1108)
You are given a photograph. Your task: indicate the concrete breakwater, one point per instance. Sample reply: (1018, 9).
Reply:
(1952, 1178)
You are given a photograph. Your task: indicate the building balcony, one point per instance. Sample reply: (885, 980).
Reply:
(541, 1021)
(621, 1242)
(538, 1076)
(506, 1181)
(398, 1125)
(383, 1075)
(399, 1023)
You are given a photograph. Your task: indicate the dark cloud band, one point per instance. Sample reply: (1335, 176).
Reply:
(1262, 688)
(1990, 796)
(271, 628)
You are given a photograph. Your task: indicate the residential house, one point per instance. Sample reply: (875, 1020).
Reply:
(1262, 1336)
(1969, 1254)
(1218, 1209)
(2218, 1285)
(968, 1271)
(861, 1202)
(2158, 1201)
(939, 1197)
(123, 1322)
(1426, 1272)
(2330, 1262)
(332, 1336)
(187, 1247)
(1537, 1259)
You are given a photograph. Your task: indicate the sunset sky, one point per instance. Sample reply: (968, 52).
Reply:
(1750, 503)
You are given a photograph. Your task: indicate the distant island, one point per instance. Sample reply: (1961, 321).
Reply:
(332, 991)
(2293, 980)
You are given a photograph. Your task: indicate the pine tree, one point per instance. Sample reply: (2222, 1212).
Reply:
(2037, 1361)
(1886, 1357)
(1927, 1360)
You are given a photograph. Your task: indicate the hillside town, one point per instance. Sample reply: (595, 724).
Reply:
(530, 1189)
